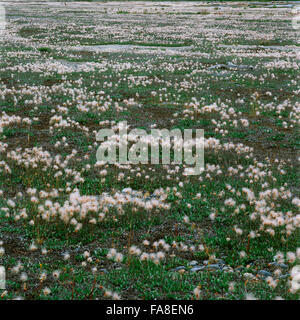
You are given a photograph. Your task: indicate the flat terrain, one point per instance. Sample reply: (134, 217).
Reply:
(73, 228)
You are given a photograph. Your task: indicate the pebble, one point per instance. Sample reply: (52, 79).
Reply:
(198, 268)
(193, 263)
(248, 275)
(103, 270)
(179, 268)
(227, 269)
(220, 261)
(214, 267)
(284, 276)
(279, 265)
(265, 273)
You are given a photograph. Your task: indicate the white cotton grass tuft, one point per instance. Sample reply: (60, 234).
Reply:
(46, 291)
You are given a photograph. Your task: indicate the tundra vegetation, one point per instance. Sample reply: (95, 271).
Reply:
(72, 227)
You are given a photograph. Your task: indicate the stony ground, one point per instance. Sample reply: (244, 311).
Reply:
(73, 228)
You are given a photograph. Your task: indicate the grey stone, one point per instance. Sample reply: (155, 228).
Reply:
(193, 263)
(279, 265)
(220, 261)
(284, 276)
(231, 66)
(227, 268)
(248, 275)
(214, 267)
(265, 273)
(179, 268)
(198, 268)
(103, 270)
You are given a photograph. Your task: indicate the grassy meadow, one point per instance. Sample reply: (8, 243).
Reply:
(75, 228)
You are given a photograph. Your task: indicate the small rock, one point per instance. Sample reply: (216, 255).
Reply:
(193, 263)
(227, 269)
(214, 267)
(248, 275)
(284, 276)
(198, 268)
(265, 273)
(179, 268)
(283, 266)
(231, 66)
(103, 270)
(279, 265)
(220, 261)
